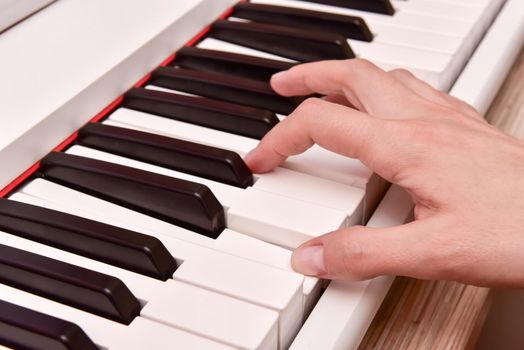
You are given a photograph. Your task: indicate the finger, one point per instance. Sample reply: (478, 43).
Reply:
(428, 92)
(337, 128)
(360, 253)
(364, 85)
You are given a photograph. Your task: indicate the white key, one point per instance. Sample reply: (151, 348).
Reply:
(208, 44)
(140, 334)
(281, 258)
(315, 161)
(437, 69)
(459, 11)
(230, 280)
(402, 18)
(177, 304)
(427, 32)
(263, 215)
(361, 300)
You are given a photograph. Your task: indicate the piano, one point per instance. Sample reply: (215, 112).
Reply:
(128, 218)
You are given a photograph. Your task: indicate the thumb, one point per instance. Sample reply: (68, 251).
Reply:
(360, 253)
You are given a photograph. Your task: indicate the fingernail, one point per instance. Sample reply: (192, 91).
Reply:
(309, 260)
(249, 155)
(279, 75)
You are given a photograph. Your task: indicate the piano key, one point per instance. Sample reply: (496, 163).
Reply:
(351, 321)
(460, 11)
(386, 33)
(416, 30)
(224, 87)
(177, 201)
(209, 162)
(175, 303)
(438, 69)
(315, 162)
(350, 26)
(22, 328)
(88, 290)
(288, 42)
(140, 334)
(272, 218)
(401, 19)
(281, 258)
(234, 64)
(236, 277)
(227, 47)
(220, 115)
(378, 6)
(229, 241)
(126, 249)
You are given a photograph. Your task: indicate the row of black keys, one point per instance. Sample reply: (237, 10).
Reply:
(378, 6)
(297, 34)
(236, 78)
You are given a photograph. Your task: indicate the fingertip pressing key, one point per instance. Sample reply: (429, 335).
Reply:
(260, 162)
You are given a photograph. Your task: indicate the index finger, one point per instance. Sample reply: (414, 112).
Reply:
(367, 87)
(334, 127)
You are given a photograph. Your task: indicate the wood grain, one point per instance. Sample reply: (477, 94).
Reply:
(431, 315)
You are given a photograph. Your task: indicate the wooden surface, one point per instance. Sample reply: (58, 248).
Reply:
(438, 314)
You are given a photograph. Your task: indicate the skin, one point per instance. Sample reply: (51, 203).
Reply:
(465, 177)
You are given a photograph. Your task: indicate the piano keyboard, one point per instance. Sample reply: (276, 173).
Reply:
(145, 228)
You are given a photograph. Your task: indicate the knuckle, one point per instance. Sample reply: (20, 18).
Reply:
(311, 102)
(401, 73)
(362, 65)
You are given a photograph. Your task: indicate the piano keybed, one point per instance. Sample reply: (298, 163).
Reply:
(146, 229)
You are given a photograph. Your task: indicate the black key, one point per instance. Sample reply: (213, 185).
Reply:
(22, 328)
(193, 158)
(177, 201)
(349, 26)
(297, 44)
(113, 245)
(242, 66)
(219, 115)
(378, 6)
(81, 288)
(224, 87)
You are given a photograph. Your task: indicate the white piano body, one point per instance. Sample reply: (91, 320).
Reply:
(66, 63)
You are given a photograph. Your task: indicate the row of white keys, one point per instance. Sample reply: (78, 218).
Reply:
(140, 334)
(384, 31)
(435, 55)
(403, 18)
(53, 196)
(263, 215)
(180, 305)
(206, 268)
(316, 161)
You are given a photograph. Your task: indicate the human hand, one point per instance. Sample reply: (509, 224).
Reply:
(465, 177)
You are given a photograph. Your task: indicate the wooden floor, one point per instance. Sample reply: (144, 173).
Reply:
(438, 314)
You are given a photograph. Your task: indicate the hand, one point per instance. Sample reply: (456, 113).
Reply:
(465, 177)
